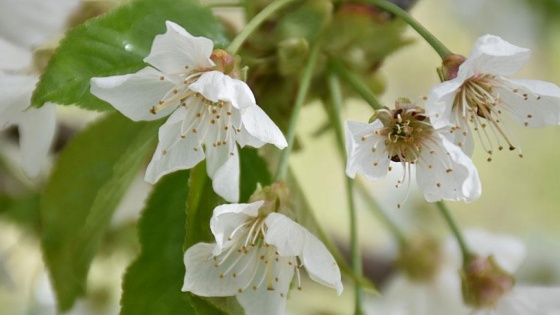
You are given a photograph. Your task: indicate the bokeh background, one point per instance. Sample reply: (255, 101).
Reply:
(521, 196)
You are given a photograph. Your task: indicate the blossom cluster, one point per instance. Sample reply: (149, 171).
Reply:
(258, 249)
(438, 140)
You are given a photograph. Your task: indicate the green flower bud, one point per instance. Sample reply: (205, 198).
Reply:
(420, 259)
(484, 282)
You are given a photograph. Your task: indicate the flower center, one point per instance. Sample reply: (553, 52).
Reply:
(249, 256)
(407, 131)
(477, 103)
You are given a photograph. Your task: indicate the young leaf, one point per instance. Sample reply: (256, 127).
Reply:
(88, 181)
(152, 283)
(116, 43)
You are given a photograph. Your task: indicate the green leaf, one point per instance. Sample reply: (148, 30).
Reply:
(21, 210)
(253, 171)
(116, 43)
(152, 283)
(88, 181)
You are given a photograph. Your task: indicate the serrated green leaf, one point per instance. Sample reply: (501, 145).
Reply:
(116, 43)
(88, 181)
(152, 283)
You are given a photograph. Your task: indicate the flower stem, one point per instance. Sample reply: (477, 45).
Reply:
(300, 99)
(465, 251)
(356, 84)
(254, 24)
(438, 46)
(336, 104)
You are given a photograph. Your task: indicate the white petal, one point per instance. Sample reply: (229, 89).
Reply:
(546, 299)
(514, 303)
(173, 151)
(439, 296)
(285, 234)
(13, 57)
(462, 136)
(216, 86)
(320, 264)
(493, 55)
(259, 300)
(445, 172)
(439, 104)
(15, 96)
(292, 239)
(217, 155)
(226, 179)
(177, 48)
(259, 125)
(135, 94)
(508, 251)
(226, 218)
(204, 276)
(368, 157)
(37, 129)
(31, 22)
(536, 103)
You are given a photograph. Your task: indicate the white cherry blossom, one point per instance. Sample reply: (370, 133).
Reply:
(211, 110)
(25, 27)
(255, 258)
(404, 135)
(481, 93)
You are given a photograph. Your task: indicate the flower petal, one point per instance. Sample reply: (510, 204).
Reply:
(285, 234)
(216, 86)
(259, 125)
(545, 299)
(445, 172)
(292, 239)
(439, 105)
(13, 57)
(226, 218)
(264, 299)
(508, 251)
(366, 151)
(174, 152)
(37, 129)
(135, 94)
(320, 264)
(535, 104)
(226, 178)
(493, 55)
(15, 96)
(29, 23)
(177, 48)
(206, 276)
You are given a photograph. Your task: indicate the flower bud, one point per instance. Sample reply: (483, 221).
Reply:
(225, 62)
(292, 55)
(484, 282)
(275, 198)
(420, 259)
(450, 66)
